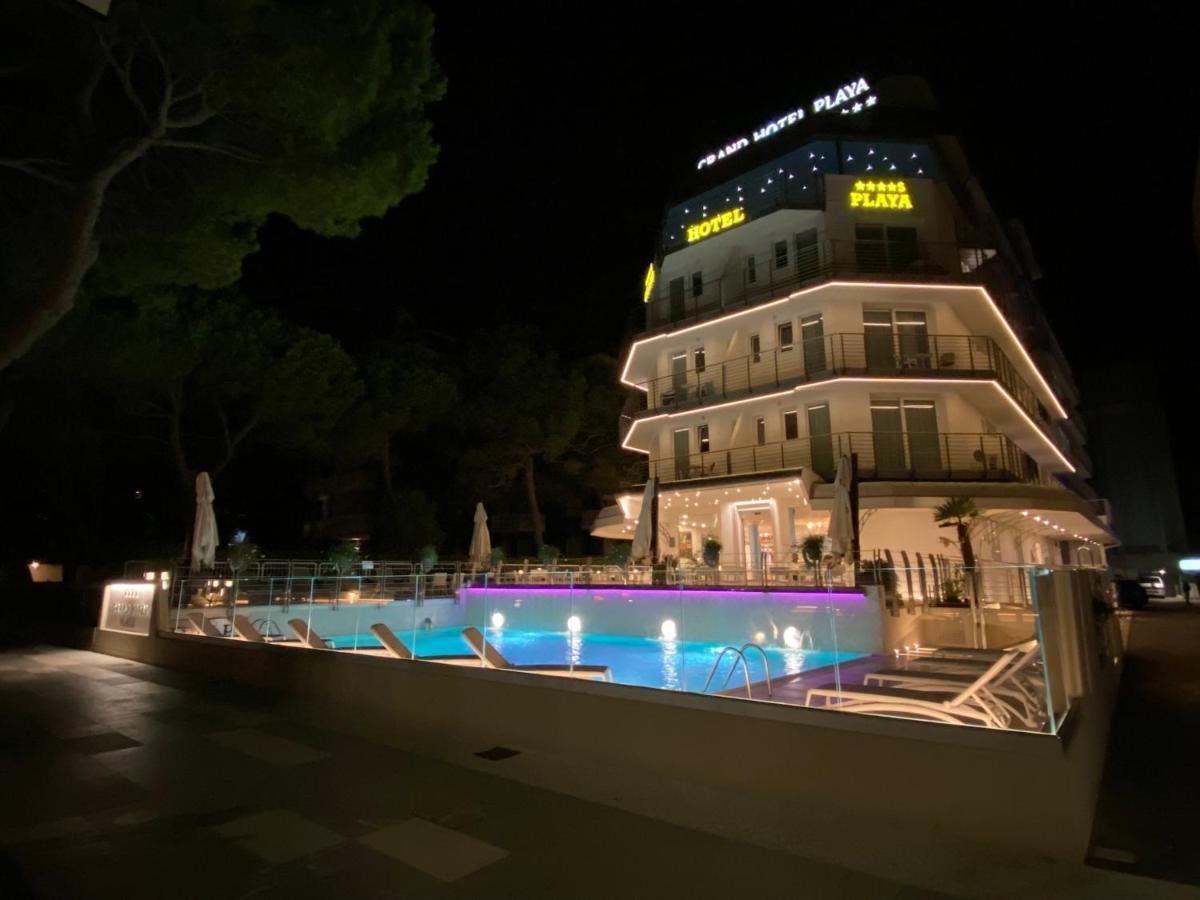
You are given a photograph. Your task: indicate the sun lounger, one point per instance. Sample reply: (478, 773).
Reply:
(977, 653)
(399, 649)
(308, 637)
(970, 703)
(1013, 687)
(244, 628)
(203, 624)
(493, 658)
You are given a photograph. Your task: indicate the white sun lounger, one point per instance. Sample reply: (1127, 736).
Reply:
(203, 624)
(978, 654)
(244, 628)
(1009, 687)
(493, 658)
(957, 704)
(399, 649)
(308, 637)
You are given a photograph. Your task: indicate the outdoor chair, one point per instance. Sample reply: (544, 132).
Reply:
(244, 629)
(203, 624)
(1009, 688)
(307, 636)
(970, 704)
(494, 659)
(397, 648)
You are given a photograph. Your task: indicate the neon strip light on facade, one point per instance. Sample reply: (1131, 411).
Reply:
(815, 384)
(673, 596)
(1058, 407)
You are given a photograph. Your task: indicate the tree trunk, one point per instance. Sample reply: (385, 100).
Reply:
(964, 545)
(386, 466)
(535, 513)
(57, 297)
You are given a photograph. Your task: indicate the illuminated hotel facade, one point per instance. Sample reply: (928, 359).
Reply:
(841, 286)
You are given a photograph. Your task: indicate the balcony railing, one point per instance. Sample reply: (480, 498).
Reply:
(882, 456)
(838, 355)
(677, 301)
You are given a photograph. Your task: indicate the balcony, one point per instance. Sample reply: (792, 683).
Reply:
(882, 456)
(841, 355)
(676, 302)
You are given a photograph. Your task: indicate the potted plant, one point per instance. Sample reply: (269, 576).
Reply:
(549, 555)
(812, 548)
(343, 556)
(711, 552)
(958, 513)
(952, 591)
(496, 558)
(241, 556)
(428, 557)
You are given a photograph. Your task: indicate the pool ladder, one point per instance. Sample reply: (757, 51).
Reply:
(740, 654)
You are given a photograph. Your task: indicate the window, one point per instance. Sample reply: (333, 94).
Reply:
(785, 335)
(755, 349)
(761, 430)
(702, 437)
(698, 358)
(781, 254)
(697, 284)
(791, 425)
(751, 275)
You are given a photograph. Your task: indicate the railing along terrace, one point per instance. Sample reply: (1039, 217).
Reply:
(850, 259)
(285, 591)
(677, 301)
(882, 456)
(916, 355)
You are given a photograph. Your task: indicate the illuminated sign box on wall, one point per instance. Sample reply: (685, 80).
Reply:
(880, 195)
(714, 224)
(126, 607)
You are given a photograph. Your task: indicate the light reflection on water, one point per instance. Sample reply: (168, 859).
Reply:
(672, 679)
(648, 661)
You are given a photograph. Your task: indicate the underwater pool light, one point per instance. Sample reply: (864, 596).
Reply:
(669, 631)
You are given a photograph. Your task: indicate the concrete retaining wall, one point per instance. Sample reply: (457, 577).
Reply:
(866, 792)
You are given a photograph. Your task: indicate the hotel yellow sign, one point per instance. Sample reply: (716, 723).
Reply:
(649, 284)
(880, 195)
(720, 222)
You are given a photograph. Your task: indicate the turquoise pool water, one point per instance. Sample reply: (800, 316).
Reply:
(649, 662)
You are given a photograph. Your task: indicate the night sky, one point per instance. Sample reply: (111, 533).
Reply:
(563, 138)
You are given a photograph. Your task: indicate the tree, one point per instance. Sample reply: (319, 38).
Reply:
(409, 387)
(205, 376)
(958, 513)
(526, 405)
(227, 112)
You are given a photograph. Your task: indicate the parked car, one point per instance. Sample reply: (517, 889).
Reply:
(1130, 594)
(1154, 585)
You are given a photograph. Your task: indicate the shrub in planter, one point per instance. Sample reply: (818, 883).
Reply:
(344, 556)
(712, 552)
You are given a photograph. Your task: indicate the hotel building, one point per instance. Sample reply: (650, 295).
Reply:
(840, 285)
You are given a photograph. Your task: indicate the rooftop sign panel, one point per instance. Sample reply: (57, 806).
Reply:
(845, 99)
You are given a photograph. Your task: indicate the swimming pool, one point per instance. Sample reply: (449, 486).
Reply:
(648, 662)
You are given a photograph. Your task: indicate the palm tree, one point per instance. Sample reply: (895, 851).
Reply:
(958, 512)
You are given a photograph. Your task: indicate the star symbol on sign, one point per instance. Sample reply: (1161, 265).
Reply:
(857, 107)
(870, 187)
(872, 100)
(859, 186)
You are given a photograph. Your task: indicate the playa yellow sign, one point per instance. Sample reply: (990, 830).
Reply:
(880, 195)
(713, 224)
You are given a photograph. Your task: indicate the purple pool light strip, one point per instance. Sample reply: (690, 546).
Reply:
(844, 596)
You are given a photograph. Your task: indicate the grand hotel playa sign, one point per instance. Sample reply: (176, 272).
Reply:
(846, 100)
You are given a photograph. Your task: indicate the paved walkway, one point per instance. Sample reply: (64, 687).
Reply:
(1148, 817)
(124, 780)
